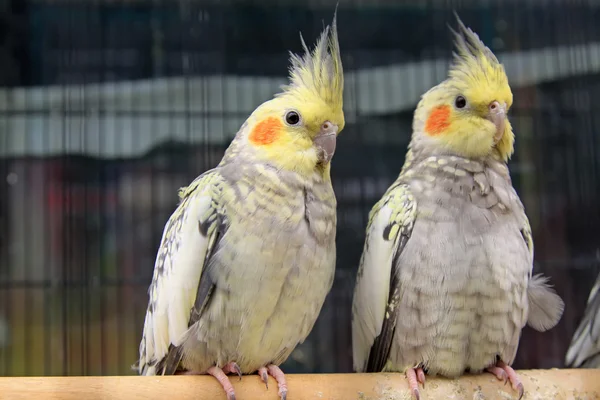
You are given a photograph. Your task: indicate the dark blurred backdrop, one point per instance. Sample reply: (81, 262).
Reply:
(108, 107)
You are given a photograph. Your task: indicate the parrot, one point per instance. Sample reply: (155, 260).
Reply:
(584, 350)
(248, 257)
(444, 284)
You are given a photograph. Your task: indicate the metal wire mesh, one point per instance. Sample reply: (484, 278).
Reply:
(108, 107)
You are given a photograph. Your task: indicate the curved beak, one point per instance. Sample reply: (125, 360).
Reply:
(325, 141)
(497, 115)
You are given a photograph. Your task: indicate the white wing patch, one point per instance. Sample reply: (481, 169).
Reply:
(181, 282)
(393, 212)
(179, 264)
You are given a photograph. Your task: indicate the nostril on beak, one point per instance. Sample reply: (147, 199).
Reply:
(495, 107)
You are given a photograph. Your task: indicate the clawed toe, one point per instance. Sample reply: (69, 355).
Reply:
(504, 372)
(521, 390)
(279, 376)
(414, 377)
(264, 375)
(233, 368)
(219, 374)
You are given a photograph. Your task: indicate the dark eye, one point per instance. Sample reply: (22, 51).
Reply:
(292, 118)
(460, 102)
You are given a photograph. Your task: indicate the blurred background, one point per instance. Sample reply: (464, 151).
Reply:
(108, 107)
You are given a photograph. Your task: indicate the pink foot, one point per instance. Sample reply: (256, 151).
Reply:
(505, 373)
(233, 368)
(279, 376)
(264, 375)
(414, 377)
(223, 380)
(498, 373)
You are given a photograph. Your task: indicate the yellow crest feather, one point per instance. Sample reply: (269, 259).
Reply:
(319, 72)
(475, 66)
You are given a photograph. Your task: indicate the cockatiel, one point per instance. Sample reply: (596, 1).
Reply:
(248, 257)
(445, 280)
(584, 351)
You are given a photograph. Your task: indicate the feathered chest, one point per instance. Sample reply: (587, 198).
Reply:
(469, 222)
(477, 194)
(279, 203)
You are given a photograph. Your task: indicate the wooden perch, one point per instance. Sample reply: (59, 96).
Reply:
(539, 384)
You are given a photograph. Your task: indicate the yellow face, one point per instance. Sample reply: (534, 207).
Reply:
(296, 133)
(467, 113)
(297, 130)
(470, 118)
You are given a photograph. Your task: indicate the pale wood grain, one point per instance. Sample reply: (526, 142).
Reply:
(539, 384)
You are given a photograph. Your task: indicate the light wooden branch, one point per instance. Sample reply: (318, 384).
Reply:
(539, 384)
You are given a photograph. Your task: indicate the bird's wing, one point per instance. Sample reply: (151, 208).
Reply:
(179, 289)
(545, 306)
(584, 351)
(377, 287)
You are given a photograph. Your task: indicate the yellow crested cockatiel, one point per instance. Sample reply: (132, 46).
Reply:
(445, 281)
(248, 257)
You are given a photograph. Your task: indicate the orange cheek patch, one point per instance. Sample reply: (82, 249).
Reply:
(266, 131)
(438, 121)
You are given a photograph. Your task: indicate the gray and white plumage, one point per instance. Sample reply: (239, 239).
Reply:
(248, 257)
(255, 288)
(584, 350)
(445, 282)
